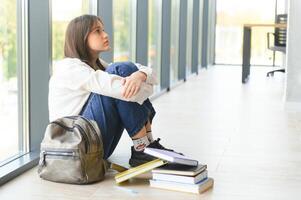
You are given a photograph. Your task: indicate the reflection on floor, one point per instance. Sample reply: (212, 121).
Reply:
(251, 144)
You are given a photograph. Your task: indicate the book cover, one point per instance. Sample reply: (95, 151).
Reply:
(181, 179)
(198, 188)
(177, 169)
(170, 156)
(132, 172)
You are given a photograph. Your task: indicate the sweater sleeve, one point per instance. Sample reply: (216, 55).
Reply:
(150, 75)
(103, 83)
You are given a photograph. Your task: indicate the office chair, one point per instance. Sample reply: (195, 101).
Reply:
(279, 40)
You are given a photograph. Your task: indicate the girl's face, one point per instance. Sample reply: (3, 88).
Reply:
(98, 39)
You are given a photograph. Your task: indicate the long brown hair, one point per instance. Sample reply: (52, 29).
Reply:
(76, 45)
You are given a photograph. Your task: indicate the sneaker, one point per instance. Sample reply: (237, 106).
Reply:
(139, 157)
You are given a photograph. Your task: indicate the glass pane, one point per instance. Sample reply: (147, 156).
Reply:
(154, 38)
(189, 36)
(62, 13)
(9, 115)
(174, 41)
(123, 27)
(200, 34)
(231, 15)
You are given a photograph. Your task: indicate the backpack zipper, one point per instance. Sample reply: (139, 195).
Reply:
(94, 130)
(82, 132)
(44, 153)
(59, 153)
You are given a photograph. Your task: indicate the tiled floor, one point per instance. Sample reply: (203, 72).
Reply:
(251, 144)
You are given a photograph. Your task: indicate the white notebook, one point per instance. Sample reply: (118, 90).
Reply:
(170, 156)
(198, 188)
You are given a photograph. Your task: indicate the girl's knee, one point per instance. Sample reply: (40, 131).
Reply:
(123, 69)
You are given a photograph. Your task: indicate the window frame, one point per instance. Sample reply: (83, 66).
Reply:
(35, 61)
(28, 156)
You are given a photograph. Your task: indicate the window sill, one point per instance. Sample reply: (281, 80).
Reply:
(18, 166)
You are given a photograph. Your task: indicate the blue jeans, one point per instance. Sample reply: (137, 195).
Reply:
(114, 115)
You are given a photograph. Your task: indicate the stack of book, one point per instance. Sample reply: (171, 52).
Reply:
(171, 171)
(180, 174)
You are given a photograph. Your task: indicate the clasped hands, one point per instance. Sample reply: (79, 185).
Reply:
(131, 84)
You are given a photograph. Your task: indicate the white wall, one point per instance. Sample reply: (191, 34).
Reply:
(293, 72)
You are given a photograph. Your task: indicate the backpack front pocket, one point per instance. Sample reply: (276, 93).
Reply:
(61, 166)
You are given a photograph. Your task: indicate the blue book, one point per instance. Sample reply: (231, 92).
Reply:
(178, 169)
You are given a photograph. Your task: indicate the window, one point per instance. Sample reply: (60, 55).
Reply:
(154, 38)
(189, 37)
(174, 41)
(124, 27)
(231, 15)
(200, 34)
(13, 81)
(62, 13)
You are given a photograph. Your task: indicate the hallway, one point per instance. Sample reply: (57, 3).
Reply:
(242, 132)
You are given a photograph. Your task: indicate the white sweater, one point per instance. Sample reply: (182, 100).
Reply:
(73, 81)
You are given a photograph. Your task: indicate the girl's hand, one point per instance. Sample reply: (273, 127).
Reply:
(132, 84)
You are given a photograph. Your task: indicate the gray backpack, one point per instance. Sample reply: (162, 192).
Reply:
(72, 152)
